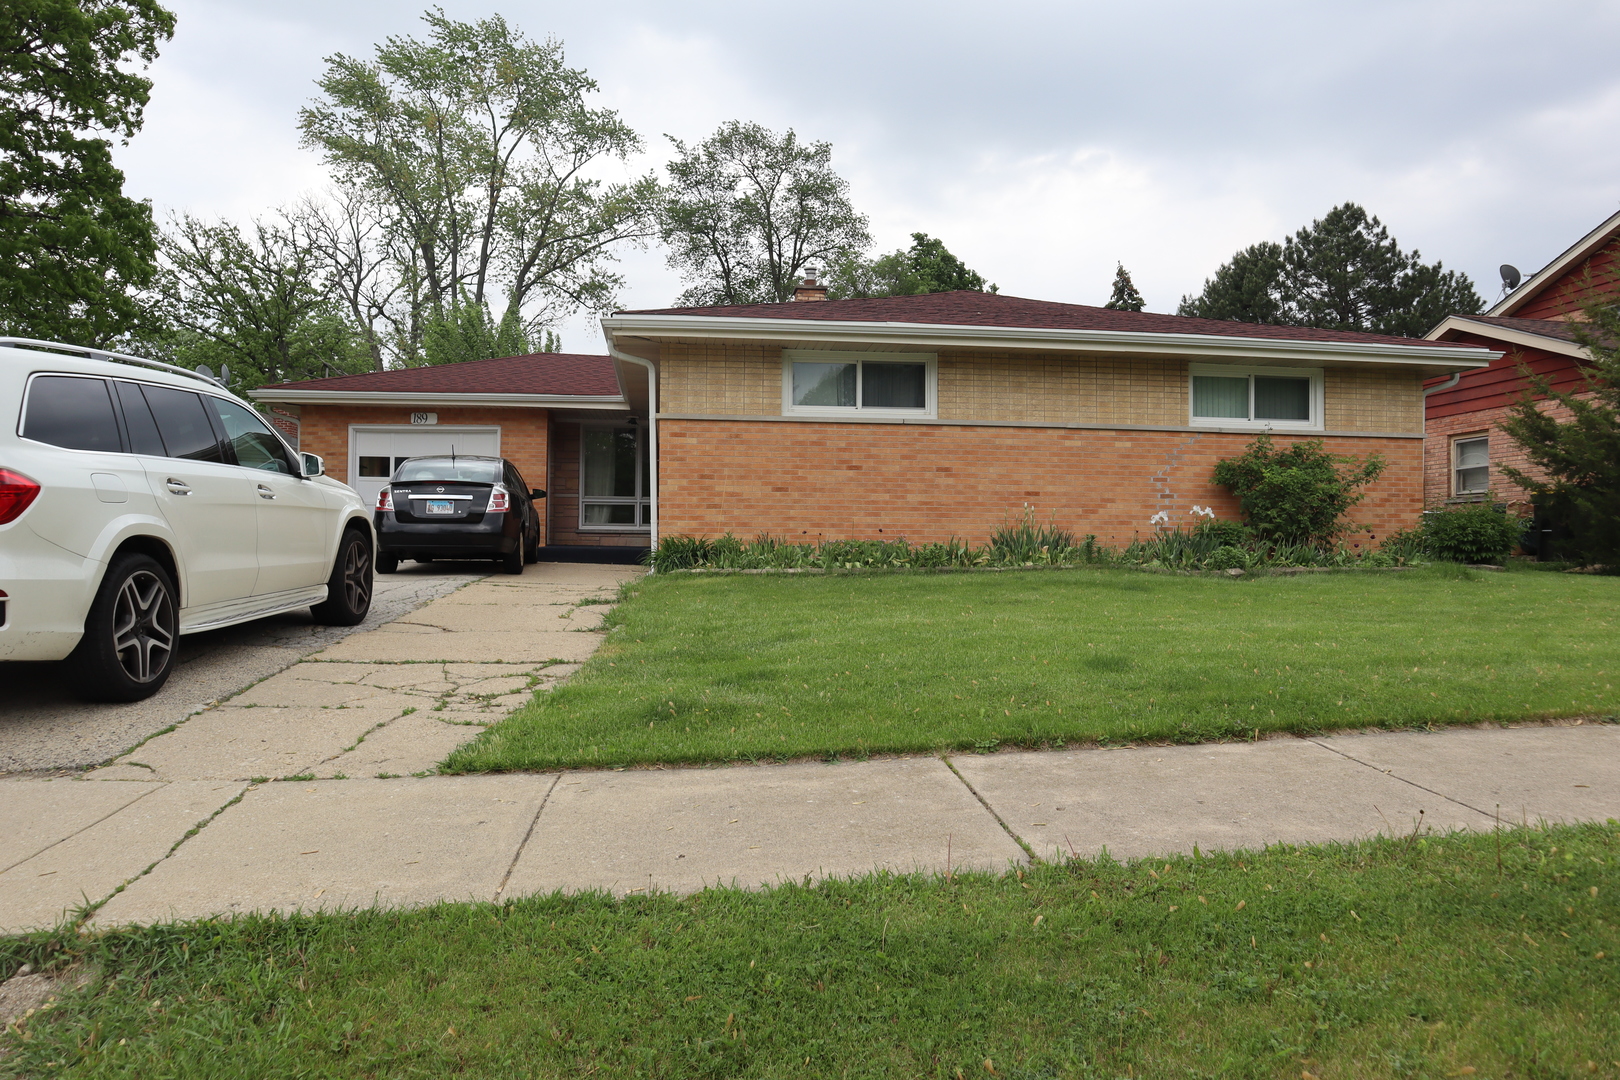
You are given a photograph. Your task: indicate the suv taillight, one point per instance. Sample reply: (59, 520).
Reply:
(500, 501)
(16, 492)
(385, 501)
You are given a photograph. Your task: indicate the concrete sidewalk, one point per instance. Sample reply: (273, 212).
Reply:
(356, 817)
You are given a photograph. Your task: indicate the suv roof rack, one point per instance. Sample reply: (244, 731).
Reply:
(103, 354)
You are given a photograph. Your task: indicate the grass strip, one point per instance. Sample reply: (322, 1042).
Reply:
(731, 667)
(1487, 955)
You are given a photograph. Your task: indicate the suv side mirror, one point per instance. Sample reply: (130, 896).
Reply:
(538, 493)
(313, 465)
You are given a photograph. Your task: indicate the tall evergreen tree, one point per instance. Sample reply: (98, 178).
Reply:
(73, 247)
(1580, 455)
(1342, 272)
(1125, 297)
(1247, 289)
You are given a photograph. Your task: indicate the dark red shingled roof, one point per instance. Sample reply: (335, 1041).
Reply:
(537, 373)
(1014, 312)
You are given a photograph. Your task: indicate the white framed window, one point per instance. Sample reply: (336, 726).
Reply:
(1471, 465)
(817, 383)
(613, 475)
(1258, 397)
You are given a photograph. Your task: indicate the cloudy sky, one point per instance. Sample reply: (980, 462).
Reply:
(1042, 141)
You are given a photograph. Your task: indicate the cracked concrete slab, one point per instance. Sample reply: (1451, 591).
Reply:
(34, 813)
(331, 844)
(407, 746)
(1160, 800)
(422, 643)
(1542, 773)
(681, 830)
(86, 867)
(239, 744)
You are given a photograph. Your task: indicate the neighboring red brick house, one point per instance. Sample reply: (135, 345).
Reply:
(928, 417)
(543, 412)
(1531, 328)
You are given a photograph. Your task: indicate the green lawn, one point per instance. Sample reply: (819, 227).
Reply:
(1488, 956)
(726, 667)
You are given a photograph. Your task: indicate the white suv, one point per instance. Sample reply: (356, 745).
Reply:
(141, 501)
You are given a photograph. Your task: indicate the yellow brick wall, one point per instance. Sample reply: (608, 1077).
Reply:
(721, 379)
(1371, 400)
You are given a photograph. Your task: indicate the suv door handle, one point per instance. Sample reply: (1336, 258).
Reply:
(265, 492)
(177, 487)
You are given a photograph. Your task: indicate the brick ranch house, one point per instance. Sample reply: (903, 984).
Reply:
(923, 417)
(928, 417)
(1531, 329)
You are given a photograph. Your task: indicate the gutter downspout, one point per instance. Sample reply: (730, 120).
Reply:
(652, 430)
(1447, 385)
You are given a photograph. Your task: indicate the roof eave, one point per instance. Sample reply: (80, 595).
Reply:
(1510, 336)
(1448, 358)
(440, 400)
(1583, 247)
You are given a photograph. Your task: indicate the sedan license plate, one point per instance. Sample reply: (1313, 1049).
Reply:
(441, 506)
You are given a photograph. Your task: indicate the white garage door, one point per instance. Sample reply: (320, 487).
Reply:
(374, 453)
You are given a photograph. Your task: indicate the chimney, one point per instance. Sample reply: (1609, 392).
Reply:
(808, 289)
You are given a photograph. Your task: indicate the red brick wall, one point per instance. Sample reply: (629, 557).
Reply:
(324, 430)
(1504, 451)
(804, 481)
(564, 499)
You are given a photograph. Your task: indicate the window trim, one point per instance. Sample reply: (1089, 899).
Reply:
(643, 501)
(1457, 441)
(930, 411)
(1316, 422)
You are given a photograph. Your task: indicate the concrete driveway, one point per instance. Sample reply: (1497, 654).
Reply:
(44, 727)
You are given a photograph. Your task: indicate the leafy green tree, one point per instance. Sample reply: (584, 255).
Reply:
(1343, 272)
(259, 302)
(1296, 495)
(746, 211)
(468, 332)
(73, 247)
(1247, 289)
(926, 267)
(1125, 297)
(1580, 455)
(476, 149)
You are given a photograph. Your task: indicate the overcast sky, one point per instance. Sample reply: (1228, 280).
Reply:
(1043, 142)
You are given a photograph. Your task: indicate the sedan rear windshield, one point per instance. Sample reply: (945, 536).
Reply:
(467, 470)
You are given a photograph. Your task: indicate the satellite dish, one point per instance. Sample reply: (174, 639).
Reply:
(205, 371)
(1510, 277)
(225, 373)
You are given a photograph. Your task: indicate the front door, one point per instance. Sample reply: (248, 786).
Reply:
(211, 505)
(296, 521)
(375, 452)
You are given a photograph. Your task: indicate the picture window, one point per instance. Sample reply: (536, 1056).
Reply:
(614, 474)
(828, 384)
(1258, 398)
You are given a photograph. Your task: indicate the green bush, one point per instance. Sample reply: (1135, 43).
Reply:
(1296, 495)
(1482, 533)
(1226, 533)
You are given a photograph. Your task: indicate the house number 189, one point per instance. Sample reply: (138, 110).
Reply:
(424, 418)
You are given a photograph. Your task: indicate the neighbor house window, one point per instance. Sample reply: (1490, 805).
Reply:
(1471, 465)
(874, 384)
(613, 476)
(1256, 397)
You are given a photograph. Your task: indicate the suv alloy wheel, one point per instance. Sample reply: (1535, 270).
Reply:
(348, 590)
(127, 650)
